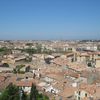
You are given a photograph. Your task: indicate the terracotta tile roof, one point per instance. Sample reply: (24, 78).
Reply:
(2, 78)
(77, 66)
(85, 98)
(59, 84)
(69, 54)
(56, 76)
(97, 94)
(72, 74)
(91, 89)
(26, 83)
(67, 92)
(60, 61)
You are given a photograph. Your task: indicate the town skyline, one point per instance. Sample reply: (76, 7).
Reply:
(49, 49)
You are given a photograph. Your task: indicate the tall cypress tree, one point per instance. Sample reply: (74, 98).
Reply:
(34, 93)
(24, 96)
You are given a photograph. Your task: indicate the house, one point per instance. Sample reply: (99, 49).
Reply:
(5, 69)
(82, 56)
(97, 63)
(50, 89)
(46, 87)
(25, 69)
(26, 84)
(48, 79)
(9, 61)
(60, 61)
(67, 93)
(55, 76)
(71, 57)
(85, 91)
(4, 82)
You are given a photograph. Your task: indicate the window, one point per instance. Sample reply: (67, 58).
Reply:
(78, 98)
(85, 94)
(79, 92)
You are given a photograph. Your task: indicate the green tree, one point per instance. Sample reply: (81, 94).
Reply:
(5, 50)
(42, 97)
(29, 50)
(10, 93)
(24, 96)
(35, 95)
(5, 65)
(13, 92)
(39, 48)
(34, 92)
(14, 71)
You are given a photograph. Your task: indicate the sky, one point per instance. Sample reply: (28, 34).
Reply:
(49, 19)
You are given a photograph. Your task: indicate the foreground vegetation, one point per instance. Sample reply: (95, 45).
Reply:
(13, 92)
